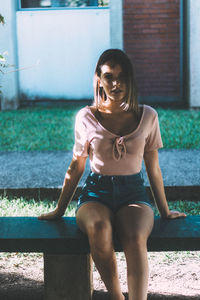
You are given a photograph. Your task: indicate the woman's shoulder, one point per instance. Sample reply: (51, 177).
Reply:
(82, 113)
(86, 115)
(150, 116)
(150, 110)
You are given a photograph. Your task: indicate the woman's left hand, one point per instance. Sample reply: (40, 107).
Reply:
(174, 214)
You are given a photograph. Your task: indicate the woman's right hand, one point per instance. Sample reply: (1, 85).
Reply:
(53, 215)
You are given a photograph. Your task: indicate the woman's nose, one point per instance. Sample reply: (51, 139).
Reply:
(116, 82)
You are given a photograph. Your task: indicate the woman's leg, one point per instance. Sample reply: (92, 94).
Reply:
(134, 224)
(95, 220)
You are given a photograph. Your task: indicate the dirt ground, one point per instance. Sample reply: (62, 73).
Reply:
(172, 276)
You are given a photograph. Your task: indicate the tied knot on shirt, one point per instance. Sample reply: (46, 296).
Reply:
(119, 148)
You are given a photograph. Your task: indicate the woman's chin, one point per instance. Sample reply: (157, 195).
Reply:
(116, 97)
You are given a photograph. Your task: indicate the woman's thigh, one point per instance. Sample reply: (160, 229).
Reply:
(134, 223)
(94, 216)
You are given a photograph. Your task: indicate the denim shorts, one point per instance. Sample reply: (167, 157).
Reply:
(114, 191)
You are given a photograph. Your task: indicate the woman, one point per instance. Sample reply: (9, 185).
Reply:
(117, 134)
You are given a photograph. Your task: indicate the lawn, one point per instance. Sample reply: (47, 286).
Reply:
(37, 129)
(24, 207)
(46, 129)
(180, 129)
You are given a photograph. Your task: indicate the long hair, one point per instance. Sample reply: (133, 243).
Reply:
(117, 57)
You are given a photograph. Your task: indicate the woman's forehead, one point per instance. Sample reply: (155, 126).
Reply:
(110, 67)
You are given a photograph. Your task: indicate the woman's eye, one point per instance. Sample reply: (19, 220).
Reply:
(108, 77)
(122, 77)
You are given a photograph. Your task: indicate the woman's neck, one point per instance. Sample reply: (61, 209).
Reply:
(111, 106)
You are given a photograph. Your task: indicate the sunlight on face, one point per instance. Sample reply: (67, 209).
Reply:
(113, 81)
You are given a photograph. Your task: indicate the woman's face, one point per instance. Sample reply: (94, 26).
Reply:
(113, 81)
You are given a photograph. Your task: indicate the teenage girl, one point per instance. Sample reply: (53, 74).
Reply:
(117, 134)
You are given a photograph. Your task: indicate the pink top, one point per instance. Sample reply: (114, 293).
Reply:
(111, 154)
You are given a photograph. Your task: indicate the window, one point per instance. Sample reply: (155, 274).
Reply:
(63, 3)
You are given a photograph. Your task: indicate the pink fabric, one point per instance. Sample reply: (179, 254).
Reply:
(111, 154)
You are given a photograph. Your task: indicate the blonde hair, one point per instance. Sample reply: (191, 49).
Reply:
(117, 57)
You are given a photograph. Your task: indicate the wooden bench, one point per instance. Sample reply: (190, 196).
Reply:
(67, 261)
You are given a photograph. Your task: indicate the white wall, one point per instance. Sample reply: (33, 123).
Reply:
(116, 24)
(194, 52)
(67, 44)
(8, 42)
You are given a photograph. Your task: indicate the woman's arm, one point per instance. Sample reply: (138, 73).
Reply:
(71, 180)
(157, 186)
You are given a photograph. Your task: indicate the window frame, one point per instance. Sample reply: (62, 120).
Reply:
(20, 8)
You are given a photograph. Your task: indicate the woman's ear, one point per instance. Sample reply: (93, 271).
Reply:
(99, 82)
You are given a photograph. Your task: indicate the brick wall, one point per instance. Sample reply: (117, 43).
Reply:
(152, 41)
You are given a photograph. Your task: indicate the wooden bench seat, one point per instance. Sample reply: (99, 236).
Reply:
(67, 261)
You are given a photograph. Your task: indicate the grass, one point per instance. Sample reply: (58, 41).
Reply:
(23, 207)
(47, 129)
(38, 129)
(180, 129)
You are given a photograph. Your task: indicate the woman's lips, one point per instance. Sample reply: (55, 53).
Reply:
(117, 91)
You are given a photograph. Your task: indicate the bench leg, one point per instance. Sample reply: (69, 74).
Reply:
(68, 277)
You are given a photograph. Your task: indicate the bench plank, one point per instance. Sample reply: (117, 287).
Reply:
(66, 248)
(28, 234)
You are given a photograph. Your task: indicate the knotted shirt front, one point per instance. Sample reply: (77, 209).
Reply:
(111, 154)
(119, 148)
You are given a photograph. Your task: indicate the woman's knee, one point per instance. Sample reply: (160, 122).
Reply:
(134, 241)
(93, 217)
(100, 235)
(99, 228)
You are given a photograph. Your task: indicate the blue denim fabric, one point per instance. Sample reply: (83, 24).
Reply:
(114, 191)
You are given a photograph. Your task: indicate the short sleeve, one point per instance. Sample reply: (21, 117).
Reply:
(154, 140)
(81, 144)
